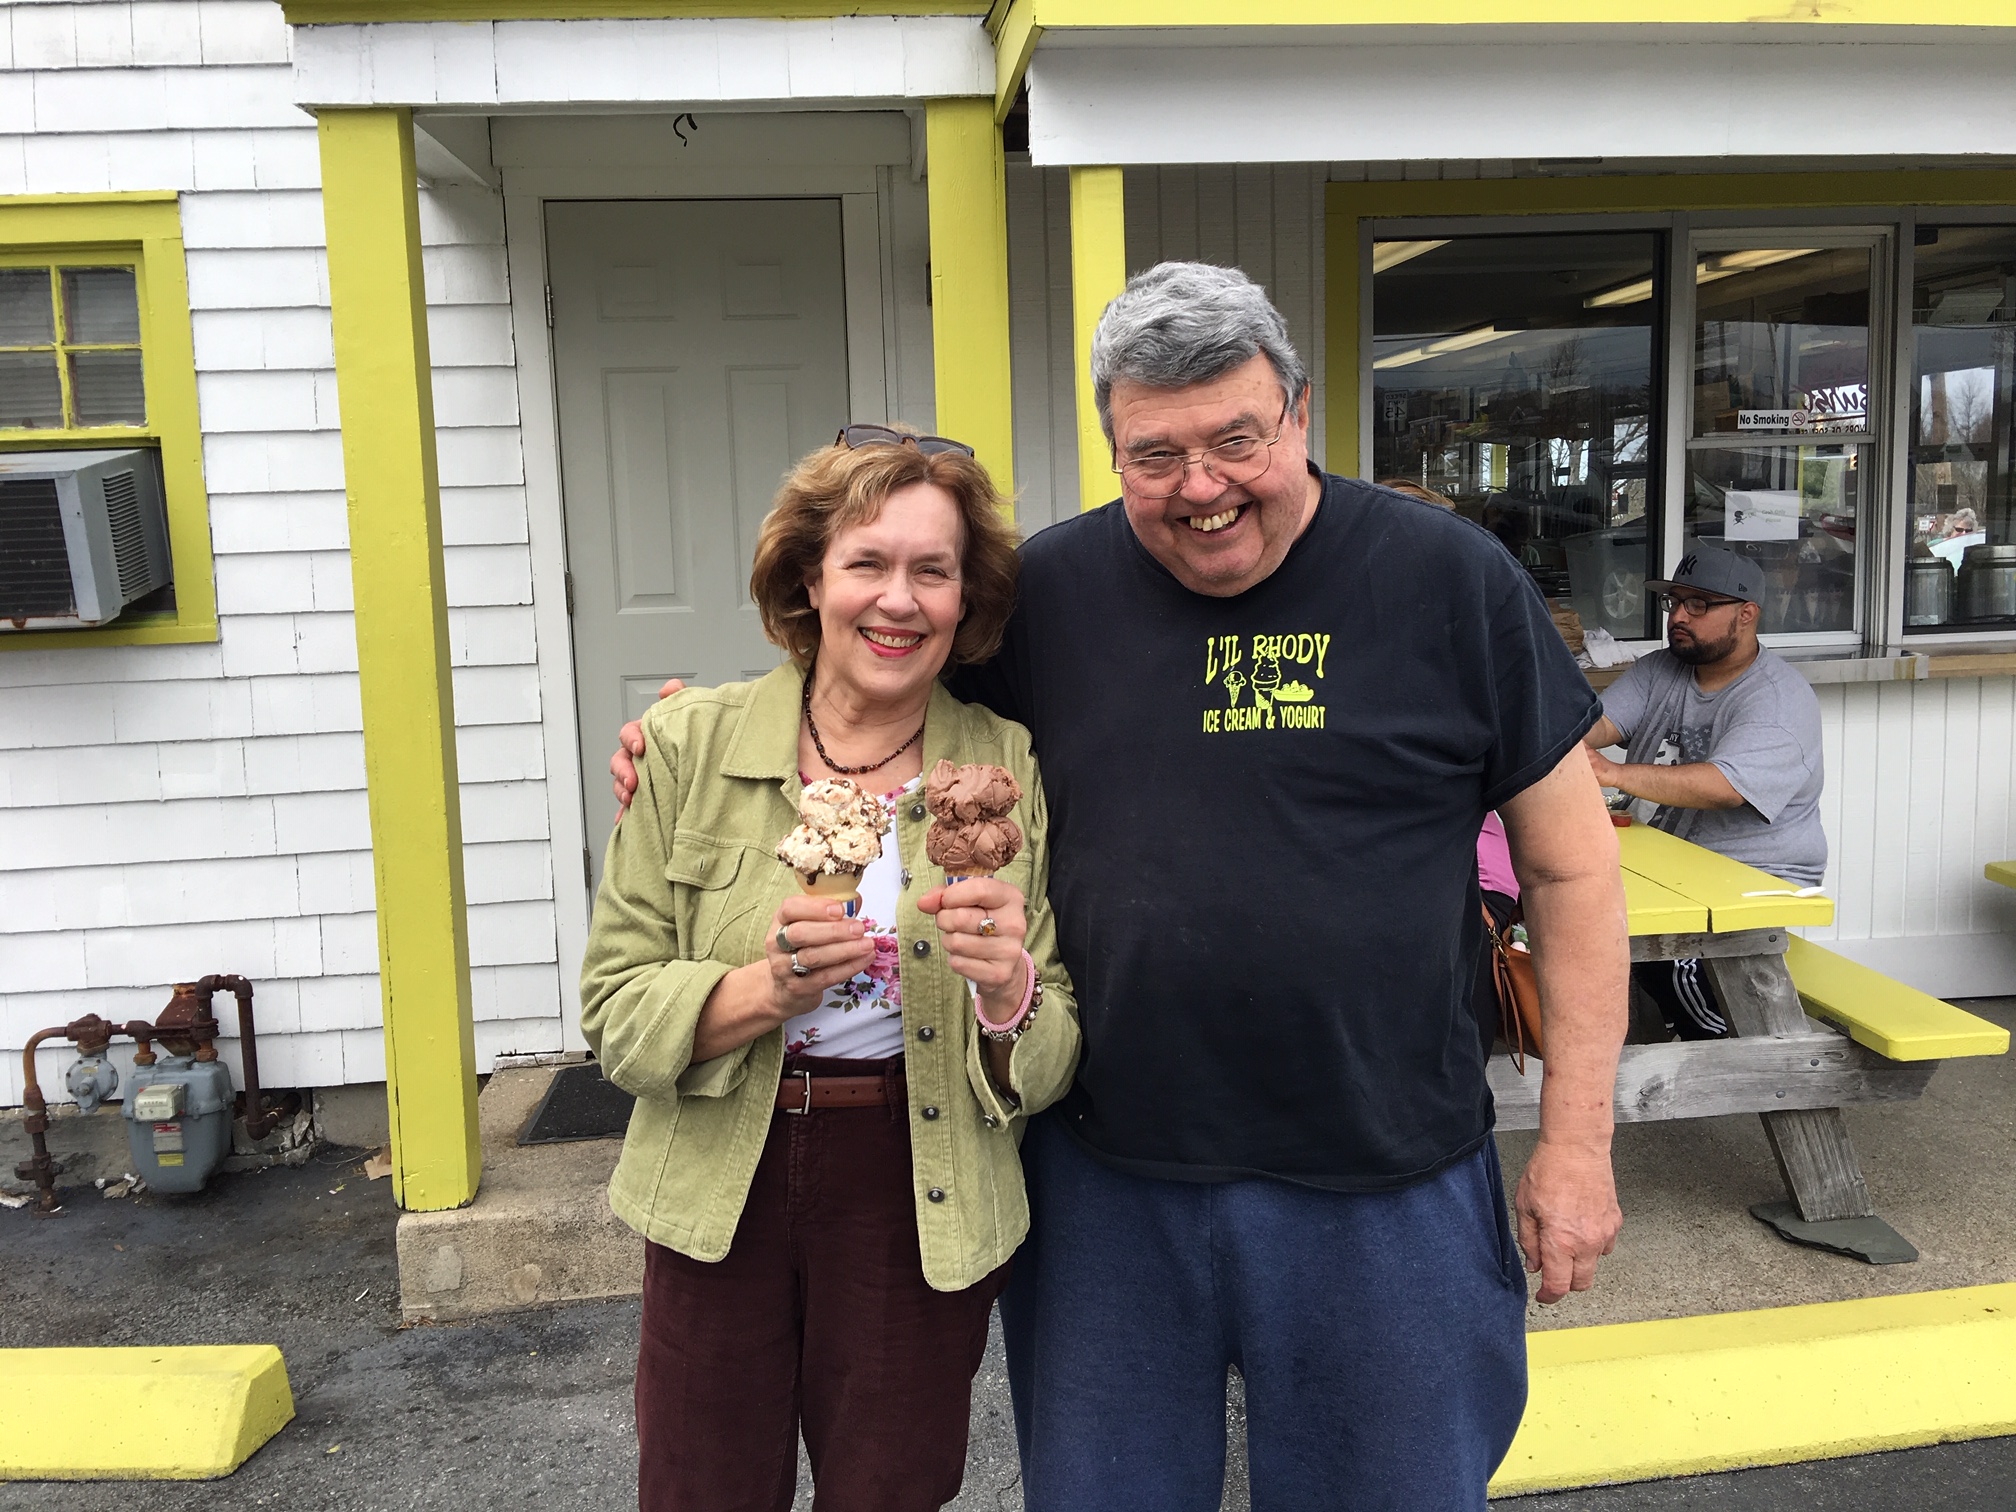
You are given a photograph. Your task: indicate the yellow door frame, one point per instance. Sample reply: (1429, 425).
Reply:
(1348, 206)
(384, 381)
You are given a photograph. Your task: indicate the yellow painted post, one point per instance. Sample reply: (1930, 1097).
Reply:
(969, 280)
(1341, 378)
(384, 383)
(1098, 272)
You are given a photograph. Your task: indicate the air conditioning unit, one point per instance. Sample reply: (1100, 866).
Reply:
(82, 535)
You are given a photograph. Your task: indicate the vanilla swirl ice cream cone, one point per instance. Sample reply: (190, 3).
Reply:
(971, 834)
(839, 831)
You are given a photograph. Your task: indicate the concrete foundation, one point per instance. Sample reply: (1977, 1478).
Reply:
(92, 1147)
(540, 1230)
(87, 1146)
(355, 1117)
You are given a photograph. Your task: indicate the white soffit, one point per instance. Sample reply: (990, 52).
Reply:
(500, 66)
(1115, 98)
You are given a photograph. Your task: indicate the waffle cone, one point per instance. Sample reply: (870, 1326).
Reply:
(840, 887)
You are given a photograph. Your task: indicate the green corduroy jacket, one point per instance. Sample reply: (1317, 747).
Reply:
(689, 888)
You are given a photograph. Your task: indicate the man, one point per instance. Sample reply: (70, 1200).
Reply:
(1723, 737)
(1273, 708)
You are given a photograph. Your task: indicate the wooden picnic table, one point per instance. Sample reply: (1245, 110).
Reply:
(1685, 901)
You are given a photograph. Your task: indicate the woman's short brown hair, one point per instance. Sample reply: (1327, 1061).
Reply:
(837, 487)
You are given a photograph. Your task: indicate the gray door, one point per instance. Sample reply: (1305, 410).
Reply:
(699, 348)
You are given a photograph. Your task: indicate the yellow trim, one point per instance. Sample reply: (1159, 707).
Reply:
(1015, 42)
(1347, 205)
(1256, 14)
(1684, 1396)
(2003, 872)
(384, 383)
(322, 12)
(144, 229)
(191, 1412)
(1098, 273)
(969, 280)
(1890, 1018)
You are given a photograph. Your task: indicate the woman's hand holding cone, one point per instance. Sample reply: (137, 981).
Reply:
(825, 940)
(993, 963)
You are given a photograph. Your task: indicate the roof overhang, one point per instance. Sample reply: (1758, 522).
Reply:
(1143, 81)
(1426, 92)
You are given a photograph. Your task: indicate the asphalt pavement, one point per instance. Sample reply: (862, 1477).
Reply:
(533, 1409)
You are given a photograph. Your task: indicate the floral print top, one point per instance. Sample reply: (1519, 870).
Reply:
(862, 1018)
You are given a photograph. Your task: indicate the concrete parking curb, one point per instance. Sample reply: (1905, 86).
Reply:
(189, 1413)
(1683, 1396)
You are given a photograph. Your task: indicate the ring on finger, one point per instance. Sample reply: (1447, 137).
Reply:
(989, 928)
(798, 970)
(783, 940)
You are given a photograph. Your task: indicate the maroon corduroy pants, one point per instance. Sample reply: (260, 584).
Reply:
(819, 1317)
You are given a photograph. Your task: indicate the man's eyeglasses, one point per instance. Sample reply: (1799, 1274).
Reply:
(854, 437)
(1161, 474)
(1693, 603)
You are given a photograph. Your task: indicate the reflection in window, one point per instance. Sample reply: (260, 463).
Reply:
(1781, 340)
(1779, 456)
(1515, 375)
(1962, 473)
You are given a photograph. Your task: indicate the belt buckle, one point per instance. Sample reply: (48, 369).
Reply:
(801, 1112)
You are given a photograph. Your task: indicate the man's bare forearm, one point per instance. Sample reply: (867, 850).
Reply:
(1695, 785)
(1582, 957)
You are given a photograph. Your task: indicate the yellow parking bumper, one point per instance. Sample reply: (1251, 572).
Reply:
(187, 1413)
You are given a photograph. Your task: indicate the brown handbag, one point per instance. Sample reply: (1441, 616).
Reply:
(1518, 996)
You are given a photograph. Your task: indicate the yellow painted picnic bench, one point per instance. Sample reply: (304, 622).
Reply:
(2001, 871)
(1868, 1039)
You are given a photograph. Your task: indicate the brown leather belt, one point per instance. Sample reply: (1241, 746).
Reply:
(802, 1092)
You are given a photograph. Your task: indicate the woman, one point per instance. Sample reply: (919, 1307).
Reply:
(823, 1152)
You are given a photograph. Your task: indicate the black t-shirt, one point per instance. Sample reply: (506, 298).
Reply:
(1263, 825)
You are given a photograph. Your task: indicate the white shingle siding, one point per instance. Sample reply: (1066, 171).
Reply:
(682, 60)
(169, 811)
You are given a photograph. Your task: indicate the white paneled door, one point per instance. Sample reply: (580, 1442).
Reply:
(699, 348)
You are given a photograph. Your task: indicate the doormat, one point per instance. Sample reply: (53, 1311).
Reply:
(580, 1103)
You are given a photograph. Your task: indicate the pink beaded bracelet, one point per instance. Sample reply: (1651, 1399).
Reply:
(1018, 1024)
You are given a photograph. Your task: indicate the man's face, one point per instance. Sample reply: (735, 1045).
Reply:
(1217, 538)
(1711, 635)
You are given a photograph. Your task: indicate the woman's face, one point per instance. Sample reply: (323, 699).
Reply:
(889, 596)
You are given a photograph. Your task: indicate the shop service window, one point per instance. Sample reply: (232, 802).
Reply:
(1961, 473)
(1516, 376)
(1781, 450)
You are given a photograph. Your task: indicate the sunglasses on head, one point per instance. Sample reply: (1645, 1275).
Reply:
(854, 437)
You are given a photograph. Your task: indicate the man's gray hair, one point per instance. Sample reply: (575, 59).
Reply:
(1181, 323)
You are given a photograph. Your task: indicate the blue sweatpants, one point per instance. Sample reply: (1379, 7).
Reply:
(1381, 1337)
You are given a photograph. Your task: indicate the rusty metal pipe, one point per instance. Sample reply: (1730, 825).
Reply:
(142, 1034)
(260, 1120)
(187, 1027)
(38, 1168)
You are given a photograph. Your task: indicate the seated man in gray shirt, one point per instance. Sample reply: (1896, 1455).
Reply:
(1724, 736)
